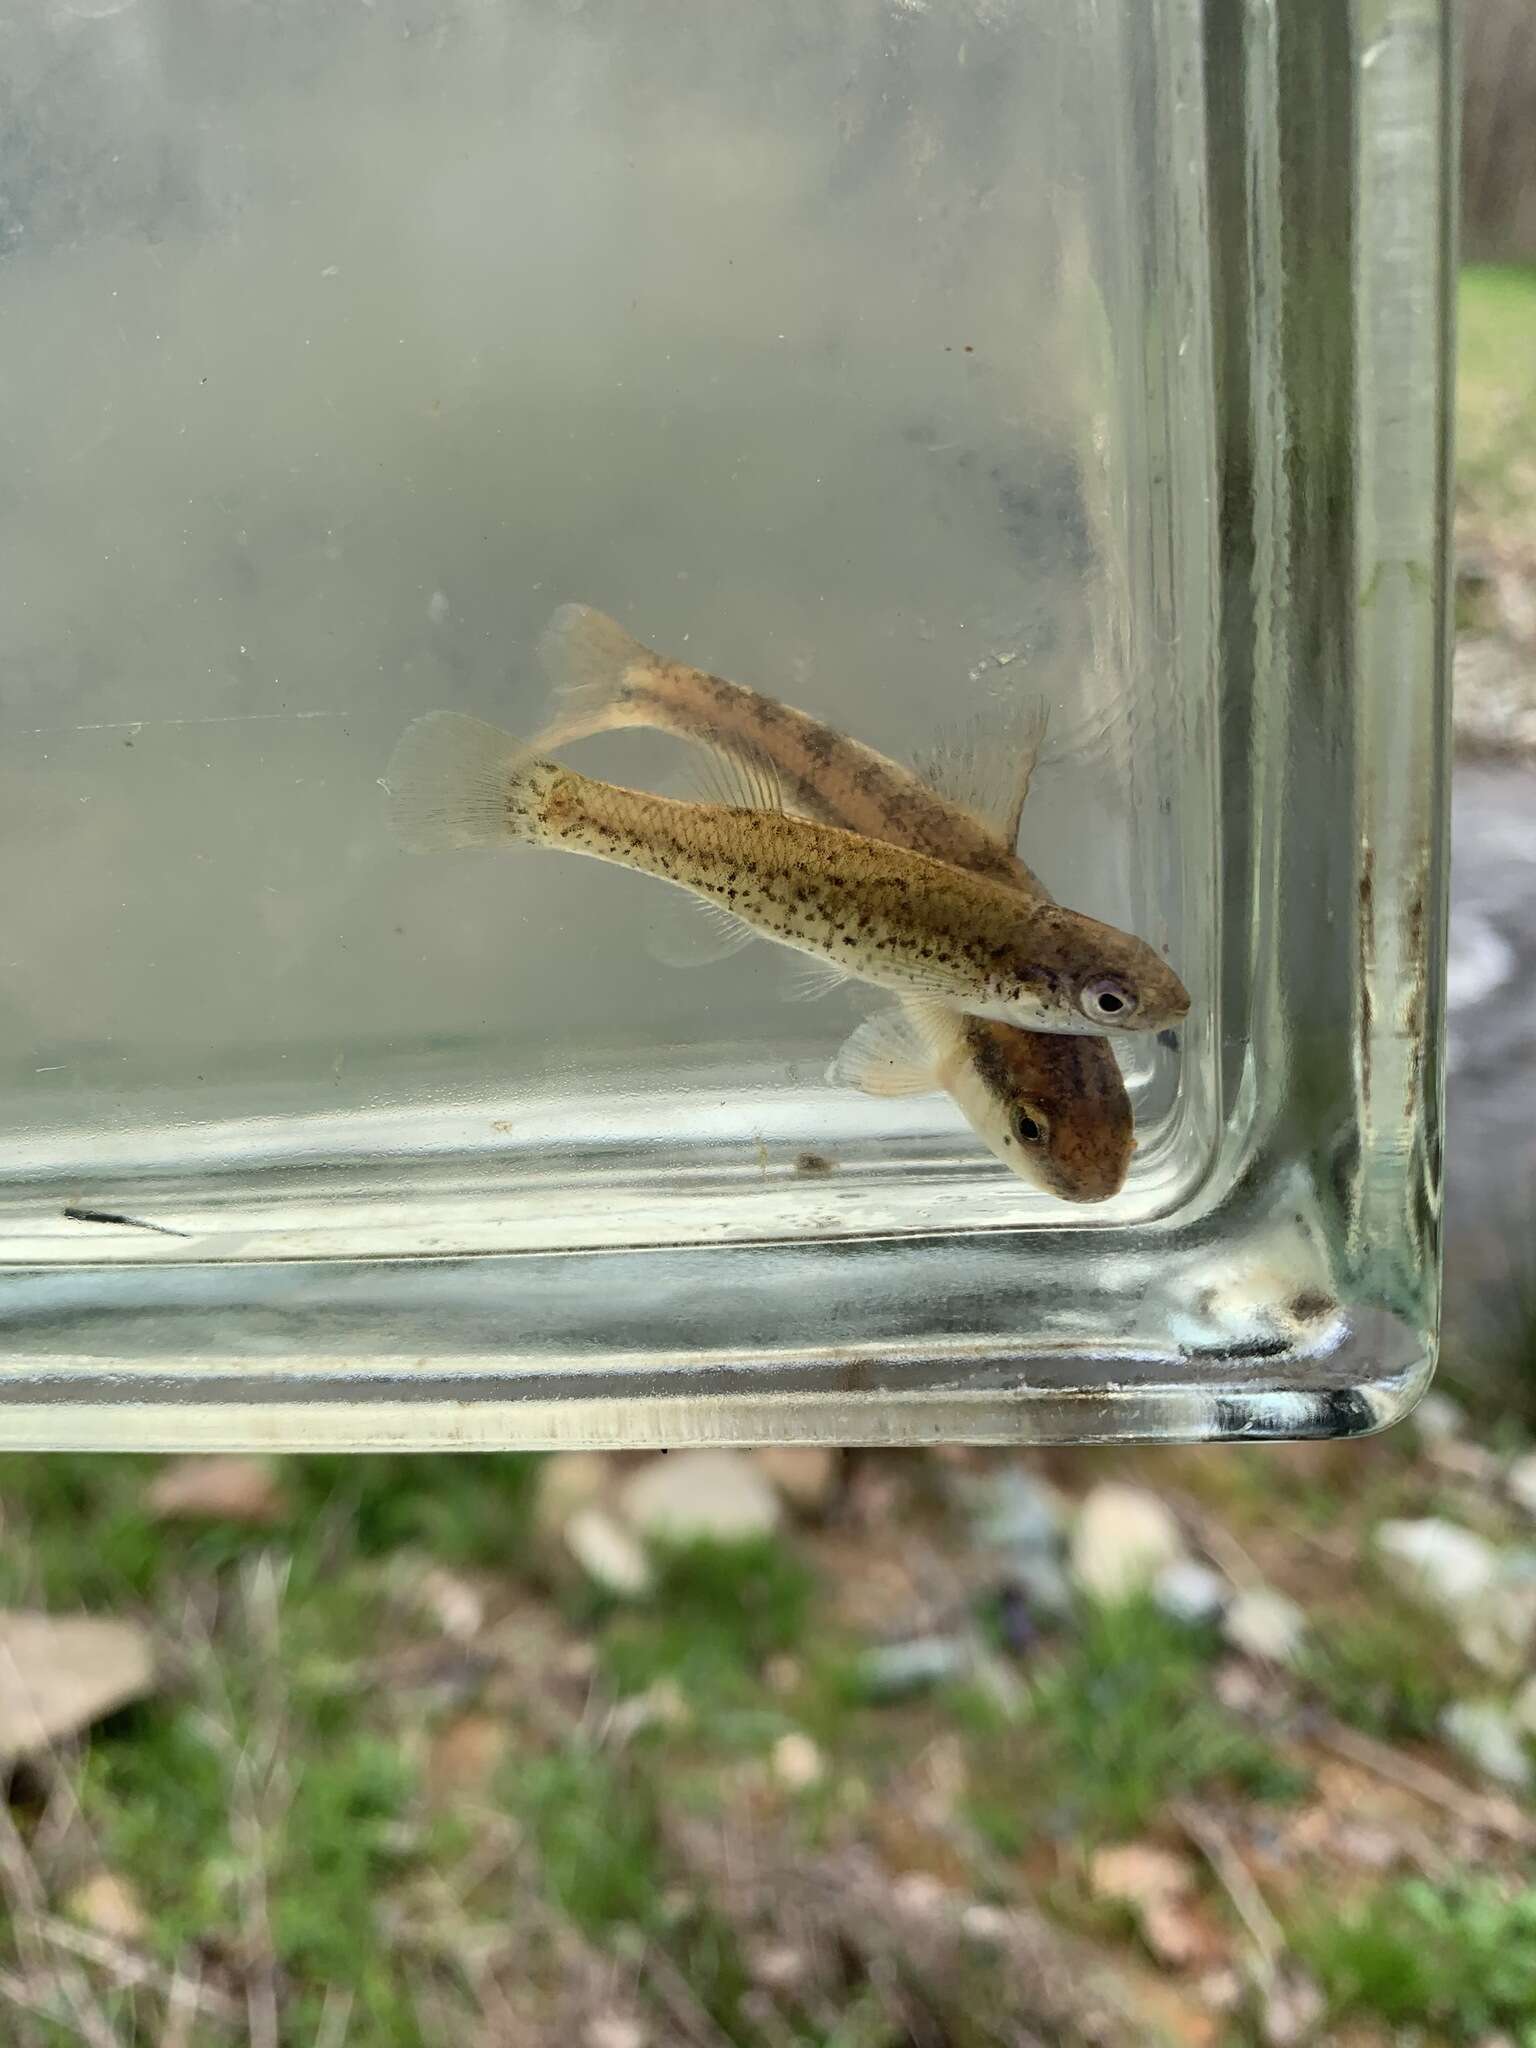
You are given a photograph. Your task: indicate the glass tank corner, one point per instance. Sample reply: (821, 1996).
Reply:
(723, 728)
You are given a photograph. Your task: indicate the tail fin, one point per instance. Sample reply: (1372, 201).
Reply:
(456, 781)
(593, 665)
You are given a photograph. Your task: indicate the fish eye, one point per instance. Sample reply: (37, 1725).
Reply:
(1030, 1128)
(1107, 999)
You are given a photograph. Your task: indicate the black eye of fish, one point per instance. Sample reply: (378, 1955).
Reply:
(1030, 1131)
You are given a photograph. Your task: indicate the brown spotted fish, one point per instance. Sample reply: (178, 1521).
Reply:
(865, 909)
(1051, 1107)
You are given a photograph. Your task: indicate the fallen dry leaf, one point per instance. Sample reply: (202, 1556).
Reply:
(110, 1905)
(1156, 1884)
(59, 1674)
(1137, 1873)
(217, 1489)
(465, 1755)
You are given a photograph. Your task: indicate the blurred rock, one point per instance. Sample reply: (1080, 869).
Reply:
(1221, 1989)
(797, 1762)
(782, 1673)
(1437, 1561)
(1520, 1482)
(1265, 1625)
(777, 1965)
(1438, 1418)
(717, 1496)
(110, 1905)
(661, 1705)
(1133, 1872)
(804, 1474)
(614, 2030)
(568, 1481)
(217, 1489)
(985, 1923)
(608, 1553)
(1156, 1884)
(57, 1676)
(1122, 1539)
(1524, 1709)
(454, 1604)
(1190, 1592)
(1498, 1630)
(1293, 2009)
(1486, 1737)
(1043, 1584)
(1460, 1458)
(895, 1669)
(1239, 1688)
(1012, 1512)
(1489, 1596)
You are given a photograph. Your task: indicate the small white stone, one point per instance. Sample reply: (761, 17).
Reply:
(1438, 1418)
(608, 1553)
(110, 1905)
(1265, 1625)
(455, 1605)
(565, 1482)
(1191, 1592)
(805, 1474)
(614, 2030)
(778, 1965)
(720, 1496)
(1437, 1560)
(1122, 1539)
(981, 1922)
(1015, 1512)
(1520, 1482)
(797, 1762)
(1486, 1736)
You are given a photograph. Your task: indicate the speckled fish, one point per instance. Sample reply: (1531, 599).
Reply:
(864, 908)
(1052, 1108)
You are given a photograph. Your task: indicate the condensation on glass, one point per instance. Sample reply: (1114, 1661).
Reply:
(901, 358)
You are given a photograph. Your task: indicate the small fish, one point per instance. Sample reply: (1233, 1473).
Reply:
(866, 909)
(604, 677)
(1052, 1108)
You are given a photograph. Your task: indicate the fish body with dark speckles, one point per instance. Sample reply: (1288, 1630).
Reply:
(883, 914)
(1051, 1107)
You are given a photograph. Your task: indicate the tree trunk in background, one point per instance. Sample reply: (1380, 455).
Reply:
(1498, 180)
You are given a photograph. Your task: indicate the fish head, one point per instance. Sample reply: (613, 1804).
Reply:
(1052, 1108)
(1103, 979)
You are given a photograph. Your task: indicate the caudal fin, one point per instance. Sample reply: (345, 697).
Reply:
(456, 781)
(593, 666)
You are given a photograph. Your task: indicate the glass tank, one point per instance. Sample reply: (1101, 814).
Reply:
(1048, 395)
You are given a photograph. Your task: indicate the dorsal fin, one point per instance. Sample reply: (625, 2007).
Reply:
(985, 765)
(738, 776)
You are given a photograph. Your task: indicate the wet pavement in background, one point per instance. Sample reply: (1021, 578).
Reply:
(1491, 1103)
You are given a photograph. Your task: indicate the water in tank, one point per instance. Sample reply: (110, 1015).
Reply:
(1036, 394)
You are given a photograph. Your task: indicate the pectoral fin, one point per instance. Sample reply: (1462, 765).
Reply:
(885, 1056)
